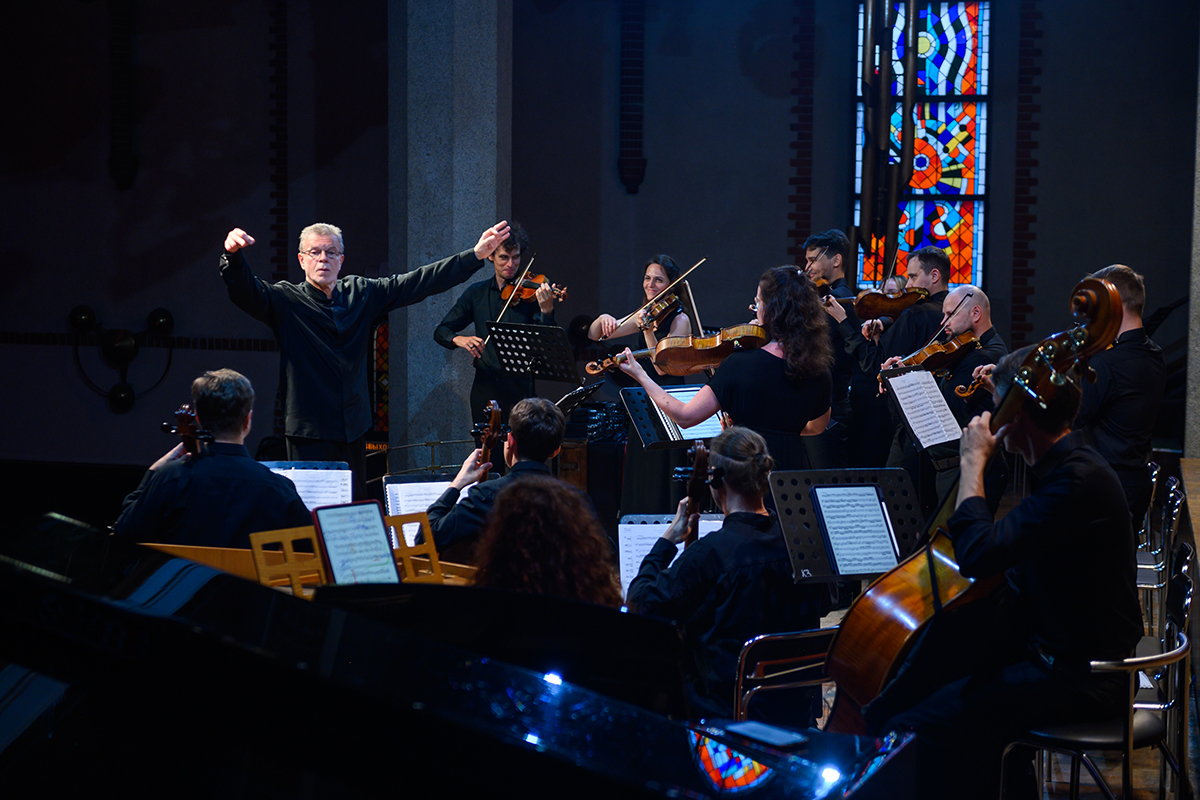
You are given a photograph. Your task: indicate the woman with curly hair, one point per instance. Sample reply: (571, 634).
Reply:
(731, 585)
(782, 389)
(544, 538)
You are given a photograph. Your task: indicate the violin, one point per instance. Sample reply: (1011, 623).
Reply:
(968, 391)
(883, 622)
(873, 304)
(527, 290)
(188, 429)
(657, 311)
(687, 355)
(942, 356)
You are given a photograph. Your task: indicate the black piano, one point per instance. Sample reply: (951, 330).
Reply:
(125, 670)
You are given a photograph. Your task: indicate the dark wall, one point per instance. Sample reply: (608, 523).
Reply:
(146, 133)
(186, 117)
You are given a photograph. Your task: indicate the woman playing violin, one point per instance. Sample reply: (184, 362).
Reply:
(660, 272)
(781, 390)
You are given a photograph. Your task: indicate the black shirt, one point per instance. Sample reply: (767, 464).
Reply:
(323, 341)
(216, 499)
(1118, 411)
(728, 587)
(844, 362)
(1068, 551)
(481, 304)
(752, 387)
(455, 523)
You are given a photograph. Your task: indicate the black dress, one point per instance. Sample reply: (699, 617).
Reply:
(755, 392)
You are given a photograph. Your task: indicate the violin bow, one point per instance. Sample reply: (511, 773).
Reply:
(508, 302)
(660, 294)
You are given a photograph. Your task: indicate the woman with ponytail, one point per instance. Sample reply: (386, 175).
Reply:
(781, 390)
(734, 583)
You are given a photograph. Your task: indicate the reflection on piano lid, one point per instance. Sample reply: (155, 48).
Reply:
(179, 678)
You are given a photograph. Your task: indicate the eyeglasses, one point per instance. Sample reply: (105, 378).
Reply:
(754, 305)
(316, 253)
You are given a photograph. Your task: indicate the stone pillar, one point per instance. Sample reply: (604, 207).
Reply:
(1191, 434)
(449, 121)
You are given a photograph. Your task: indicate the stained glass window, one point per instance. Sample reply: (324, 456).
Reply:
(946, 196)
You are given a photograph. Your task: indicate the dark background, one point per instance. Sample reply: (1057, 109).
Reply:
(139, 133)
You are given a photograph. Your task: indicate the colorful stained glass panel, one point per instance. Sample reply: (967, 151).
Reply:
(952, 48)
(944, 153)
(956, 226)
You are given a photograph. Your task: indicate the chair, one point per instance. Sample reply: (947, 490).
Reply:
(415, 571)
(780, 661)
(1153, 571)
(1163, 724)
(286, 566)
(1145, 533)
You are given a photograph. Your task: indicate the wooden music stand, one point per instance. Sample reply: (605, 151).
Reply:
(299, 570)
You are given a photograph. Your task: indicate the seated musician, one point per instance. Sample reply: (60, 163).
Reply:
(535, 436)
(999, 666)
(544, 538)
(781, 390)
(216, 498)
(733, 584)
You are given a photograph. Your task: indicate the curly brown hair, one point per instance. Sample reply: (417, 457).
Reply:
(793, 317)
(544, 538)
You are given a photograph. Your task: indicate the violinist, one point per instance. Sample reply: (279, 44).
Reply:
(480, 305)
(659, 273)
(646, 485)
(966, 308)
(915, 327)
(826, 255)
(1019, 658)
(731, 585)
(780, 390)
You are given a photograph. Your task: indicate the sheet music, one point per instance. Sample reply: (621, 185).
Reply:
(925, 408)
(357, 544)
(414, 498)
(320, 487)
(635, 541)
(861, 539)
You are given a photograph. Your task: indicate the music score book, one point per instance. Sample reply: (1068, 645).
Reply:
(922, 406)
(355, 544)
(857, 528)
(414, 494)
(636, 539)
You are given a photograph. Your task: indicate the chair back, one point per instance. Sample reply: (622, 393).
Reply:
(780, 661)
(418, 570)
(1145, 534)
(286, 566)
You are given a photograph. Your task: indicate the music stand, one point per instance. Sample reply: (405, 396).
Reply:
(803, 528)
(536, 351)
(577, 397)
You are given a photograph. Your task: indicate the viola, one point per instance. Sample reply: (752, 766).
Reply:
(657, 311)
(687, 355)
(527, 290)
(884, 621)
(968, 391)
(188, 429)
(942, 356)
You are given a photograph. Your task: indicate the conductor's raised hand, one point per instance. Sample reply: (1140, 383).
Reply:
(471, 471)
(236, 239)
(490, 239)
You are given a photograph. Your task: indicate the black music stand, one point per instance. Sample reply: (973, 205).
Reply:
(646, 422)
(534, 351)
(577, 397)
(803, 530)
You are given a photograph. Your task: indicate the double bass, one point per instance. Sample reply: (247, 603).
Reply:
(885, 620)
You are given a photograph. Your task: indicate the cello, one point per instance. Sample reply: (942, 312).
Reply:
(886, 619)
